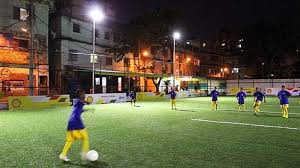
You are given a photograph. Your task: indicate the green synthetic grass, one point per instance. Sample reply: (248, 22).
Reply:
(153, 136)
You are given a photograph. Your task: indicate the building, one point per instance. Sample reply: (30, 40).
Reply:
(15, 47)
(71, 43)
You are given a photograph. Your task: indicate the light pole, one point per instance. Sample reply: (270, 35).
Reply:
(176, 36)
(97, 15)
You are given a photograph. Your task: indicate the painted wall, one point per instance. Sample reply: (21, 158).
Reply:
(263, 84)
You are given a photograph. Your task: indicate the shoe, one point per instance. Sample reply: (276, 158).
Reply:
(83, 156)
(64, 158)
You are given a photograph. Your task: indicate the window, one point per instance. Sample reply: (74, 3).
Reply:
(76, 28)
(73, 55)
(23, 43)
(126, 62)
(106, 36)
(116, 37)
(108, 60)
(97, 33)
(16, 13)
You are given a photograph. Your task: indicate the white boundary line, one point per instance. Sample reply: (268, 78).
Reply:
(278, 105)
(246, 124)
(235, 110)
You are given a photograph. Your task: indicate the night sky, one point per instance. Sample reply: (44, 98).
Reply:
(204, 18)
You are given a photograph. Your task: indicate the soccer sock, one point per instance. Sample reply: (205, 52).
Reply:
(212, 105)
(67, 147)
(286, 111)
(85, 142)
(239, 107)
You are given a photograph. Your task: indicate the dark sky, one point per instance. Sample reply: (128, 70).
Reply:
(204, 18)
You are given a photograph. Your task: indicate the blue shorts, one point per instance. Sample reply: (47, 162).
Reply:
(241, 102)
(214, 99)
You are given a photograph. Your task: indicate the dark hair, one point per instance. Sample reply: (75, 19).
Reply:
(78, 92)
(241, 88)
(282, 86)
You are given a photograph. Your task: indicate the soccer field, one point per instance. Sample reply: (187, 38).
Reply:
(153, 136)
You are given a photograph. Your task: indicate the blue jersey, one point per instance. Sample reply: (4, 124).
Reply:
(241, 96)
(214, 95)
(132, 95)
(173, 94)
(75, 122)
(259, 96)
(283, 96)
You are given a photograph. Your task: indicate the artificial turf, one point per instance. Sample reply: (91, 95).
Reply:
(153, 136)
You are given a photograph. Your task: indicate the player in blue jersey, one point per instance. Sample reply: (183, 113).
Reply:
(132, 96)
(259, 97)
(241, 96)
(76, 129)
(283, 96)
(214, 98)
(173, 98)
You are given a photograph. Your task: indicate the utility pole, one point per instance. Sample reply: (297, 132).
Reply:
(31, 52)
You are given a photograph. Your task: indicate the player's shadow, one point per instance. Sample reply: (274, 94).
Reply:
(275, 116)
(183, 110)
(137, 106)
(96, 164)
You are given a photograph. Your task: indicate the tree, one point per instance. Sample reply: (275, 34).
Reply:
(153, 28)
(267, 47)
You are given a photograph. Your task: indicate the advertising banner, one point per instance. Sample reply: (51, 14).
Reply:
(274, 91)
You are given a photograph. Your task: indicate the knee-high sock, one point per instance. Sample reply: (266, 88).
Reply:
(286, 111)
(85, 143)
(67, 147)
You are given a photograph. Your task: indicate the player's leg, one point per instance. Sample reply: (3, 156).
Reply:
(134, 100)
(282, 110)
(286, 111)
(131, 101)
(174, 103)
(212, 105)
(239, 107)
(216, 105)
(85, 143)
(70, 139)
(258, 106)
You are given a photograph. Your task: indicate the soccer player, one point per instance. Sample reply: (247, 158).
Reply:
(132, 96)
(283, 96)
(259, 97)
(173, 98)
(214, 98)
(76, 129)
(241, 96)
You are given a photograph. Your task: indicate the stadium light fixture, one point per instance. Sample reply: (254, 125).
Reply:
(176, 36)
(97, 15)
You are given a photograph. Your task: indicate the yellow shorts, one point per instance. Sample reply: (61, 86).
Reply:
(284, 105)
(173, 101)
(77, 134)
(257, 103)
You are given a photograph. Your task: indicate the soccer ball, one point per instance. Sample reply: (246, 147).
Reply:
(92, 155)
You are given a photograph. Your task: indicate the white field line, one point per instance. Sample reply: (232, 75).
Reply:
(246, 124)
(234, 110)
(279, 105)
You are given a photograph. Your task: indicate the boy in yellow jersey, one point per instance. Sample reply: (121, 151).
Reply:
(76, 129)
(214, 98)
(259, 97)
(283, 96)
